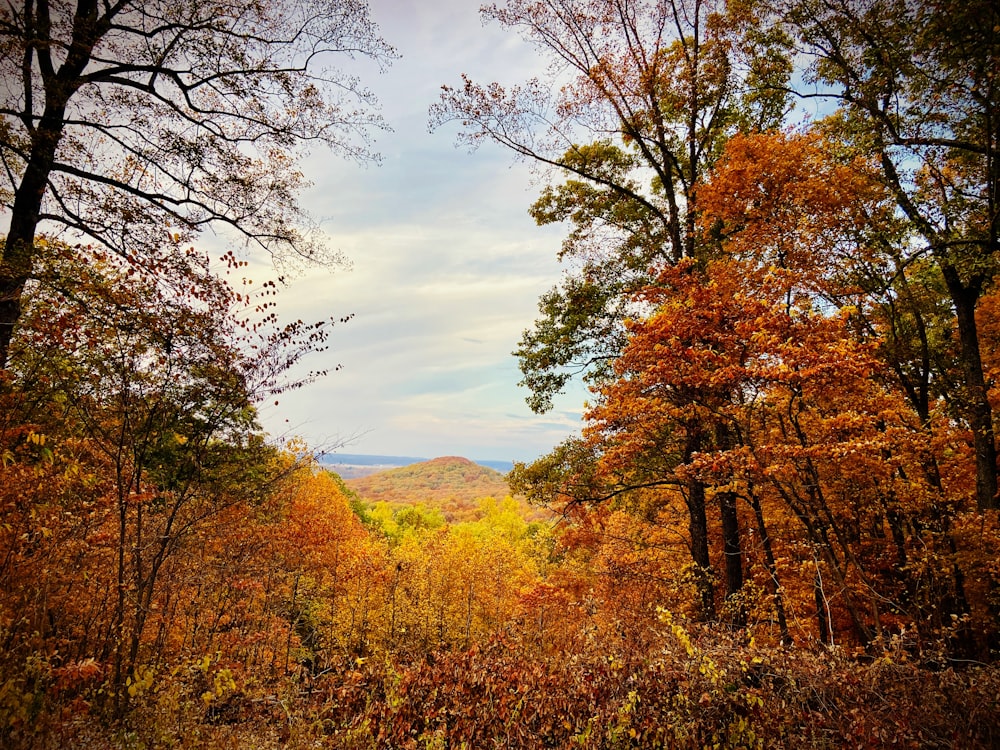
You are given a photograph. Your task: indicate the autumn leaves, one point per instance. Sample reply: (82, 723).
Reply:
(756, 412)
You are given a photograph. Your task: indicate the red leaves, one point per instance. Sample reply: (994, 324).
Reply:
(785, 201)
(746, 379)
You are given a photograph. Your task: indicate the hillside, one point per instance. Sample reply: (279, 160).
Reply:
(440, 479)
(451, 484)
(354, 465)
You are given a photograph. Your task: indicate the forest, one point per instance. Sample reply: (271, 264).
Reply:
(777, 525)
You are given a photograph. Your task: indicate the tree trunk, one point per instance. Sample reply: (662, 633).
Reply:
(772, 570)
(698, 528)
(19, 248)
(733, 554)
(980, 414)
(731, 546)
(822, 611)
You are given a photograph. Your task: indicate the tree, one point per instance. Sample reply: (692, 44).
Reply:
(917, 88)
(647, 93)
(129, 122)
(759, 358)
(156, 377)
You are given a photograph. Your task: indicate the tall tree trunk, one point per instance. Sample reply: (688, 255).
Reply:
(733, 554)
(772, 570)
(980, 413)
(822, 611)
(19, 248)
(731, 545)
(698, 528)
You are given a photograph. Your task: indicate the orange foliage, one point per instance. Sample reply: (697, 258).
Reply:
(861, 505)
(177, 574)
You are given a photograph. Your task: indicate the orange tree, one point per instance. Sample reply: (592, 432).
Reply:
(748, 379)
(915, 89)
(648, 94)
(811, 205)
(129, 429)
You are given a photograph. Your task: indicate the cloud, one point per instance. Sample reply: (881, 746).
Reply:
(447, 267)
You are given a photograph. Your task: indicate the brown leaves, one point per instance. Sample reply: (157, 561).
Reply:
(786, 201)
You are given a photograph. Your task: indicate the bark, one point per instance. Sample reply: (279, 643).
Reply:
(822, 611)
(772, 571)
(733, 554)
(19, 248)
(979, 412)
(731, 545)
(698, 528)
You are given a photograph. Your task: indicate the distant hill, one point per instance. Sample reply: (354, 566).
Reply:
(451, 484)
(447, 478)
(351, 465)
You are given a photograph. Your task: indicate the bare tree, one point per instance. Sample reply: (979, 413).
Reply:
(131, 122)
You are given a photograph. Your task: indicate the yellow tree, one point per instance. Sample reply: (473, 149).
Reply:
(146, 390)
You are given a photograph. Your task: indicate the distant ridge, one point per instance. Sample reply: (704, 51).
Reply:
(361, 464)
(451, 484)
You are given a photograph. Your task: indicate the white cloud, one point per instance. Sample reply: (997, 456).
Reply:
(447, 266)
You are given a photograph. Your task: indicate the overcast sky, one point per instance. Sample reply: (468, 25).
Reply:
(447, 266)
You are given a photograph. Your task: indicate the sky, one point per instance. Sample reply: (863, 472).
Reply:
(446, 265)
